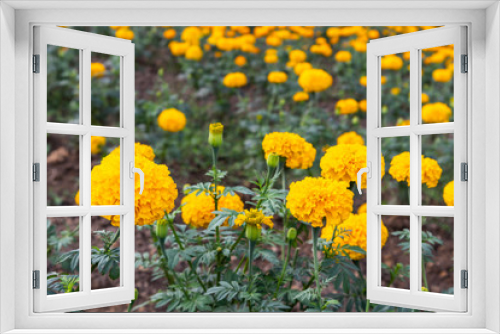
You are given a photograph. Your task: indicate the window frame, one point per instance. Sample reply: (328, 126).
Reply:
(477, 316)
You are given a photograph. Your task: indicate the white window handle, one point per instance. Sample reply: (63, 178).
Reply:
(133, 170)
(368, 171)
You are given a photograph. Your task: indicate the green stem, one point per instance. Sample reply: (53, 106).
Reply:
(285, 215)
(237, 241)
(176, 277)
(251, 248)
(239, 264)
(164, 260)
(424, 275)
(216, 204)
(294, 264)
(367, 309)
(285, 264)
(316, 232)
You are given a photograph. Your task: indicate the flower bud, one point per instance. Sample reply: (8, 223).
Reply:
(273, 160)
(291, 234)
(219, 249)
(252, 232)
(161, 228)
(215, 134)
(355, 120)
(424, 289)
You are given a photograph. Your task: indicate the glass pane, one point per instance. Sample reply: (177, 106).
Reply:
(63, 255)
(63, 169)
(105, 104)
(105, 252)
(437, 168)
(63, 84)
(396, 89)
(105, 187)
(394, 184)
(437, 84)
(396, 252)
(437, 254)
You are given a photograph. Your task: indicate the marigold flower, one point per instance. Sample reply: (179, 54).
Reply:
(96, 144)
(141, 150)
(300, 97)
(353, 233)
(400, 169)
(124, 33)
(395, 90)
(347, 106)
(301, 67)
(277, 77)
(298, 152)
(442, 75)
(373, 34)
(449, 194)
(194, 52)
(362, 105)
(197, 209)
(403, 122)
(270, 58)
(342, 163)
(254, 217)
(315, 80)
(240, 61)
(191, 35)
(273, 41)
(363, 80)
(297, 56)
(391, 62)
(322, 49)
(425, 98)
(314, 199)
(178, 48)
(97, 70)
(235, 80)
(362, 208)
(436, 113)
(169, 33)
(172, 120)
(343, 56)
(350, 138)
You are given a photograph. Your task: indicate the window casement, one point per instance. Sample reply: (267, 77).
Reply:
(84, 44)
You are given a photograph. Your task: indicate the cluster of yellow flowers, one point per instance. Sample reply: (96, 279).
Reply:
(254, 217)
(197, 209)
(315, 80)
(400, 169)
(235, 80)
(436, 113)
(123, 32)
(172, 120)
(314, 199)
(97, 70)
(298, 152)
(277, 77)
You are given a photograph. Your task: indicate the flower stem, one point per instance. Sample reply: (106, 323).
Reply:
(251, 248)
(164, 253)
(285, 264)
(285, 215)
(164, 260)
(316, 232)
(424, 275)
(216, 205)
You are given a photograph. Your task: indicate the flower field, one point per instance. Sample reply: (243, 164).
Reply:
(250, 139)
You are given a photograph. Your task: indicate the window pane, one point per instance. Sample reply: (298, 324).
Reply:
(396, 252)
(394, 184)
(437, 84)
(63, 255)
(63, 84)
(105, 187)
(105, 252)
(63, 170)
(437, 169)
(437, 254)
(105, 105)
(395, 89)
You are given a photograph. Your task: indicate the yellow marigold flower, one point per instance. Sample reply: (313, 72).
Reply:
(273, 41)
(362, 208)
(254, 217)
(194, 52)
(172, 120)
(402, 122)
(97, 70)
(400, 169)
(298, 152)
(235, 80)
(141, 150)
(363, 80)
(350, 138)
(178, 48)
(395, 90)
(297, 56)
(322, 49)
(300, 97)
(436, 113)
(342, 163)
(218, 54)
(449, 193)
(270, 58)
(442, 75)
(391, 62)
(271, 52)
(169, 33)
(425, 98)
(240, 61)
(313, 199)
(347, 106)
(124, 33)
(96, 143)
(362, 105)
(373, 34)
(301, 67)
(160, 190)
(197, 210)
(315, 80)
(353, 233)
(277, 77)
(191, 35)
(343, 56)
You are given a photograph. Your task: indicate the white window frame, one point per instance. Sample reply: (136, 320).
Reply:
(483, 21)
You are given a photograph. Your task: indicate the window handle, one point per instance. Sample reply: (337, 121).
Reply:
(368, 171)
(134, 170)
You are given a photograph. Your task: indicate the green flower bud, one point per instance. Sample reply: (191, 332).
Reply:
(355, 120)
(291, 234)
(215, 134)
(186, 189)
(219, 249)
(424, 289)
(160, 72)
(273, 160)
(161, 228)
(136, 294)
(252, 232)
